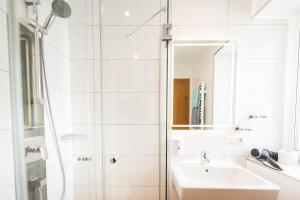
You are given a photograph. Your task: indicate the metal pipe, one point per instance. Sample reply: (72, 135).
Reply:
(37, 67)
(163, 9)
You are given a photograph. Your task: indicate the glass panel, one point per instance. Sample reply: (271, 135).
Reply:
(296, 145)
(134, 133)
(13, 173)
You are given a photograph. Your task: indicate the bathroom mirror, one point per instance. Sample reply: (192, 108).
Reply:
(203, 84)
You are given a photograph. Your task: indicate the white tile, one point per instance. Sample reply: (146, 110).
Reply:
(98, 108)
(132, 193)
(200, 12)
(261, 75)
(81, 192)
(261, 104)
(65, 146)
(222, 91)
(130, 108)
(132, 171)
(131, 139)
(7, 167)
(256, 139)
(240, 12)
(5, 116)
(96, 12)
(98, 138)
(118, 46)
(82, 75)
(60, 102)
(81, 12)
(194, 143)
(97, 76)
(221, 112)
(222, 68)
(96, 42)
(3, 5)
(58, 35)
(54, 182)
(96, 193)
(82, 173)
(131, 76)
(97, 172)
(83, 108)
(57, 68)
(163, 108)
(4, 64)
(260, 41)
(200, 32)
(87, 145)
(81, 42)
(8, 193)
(138, 10)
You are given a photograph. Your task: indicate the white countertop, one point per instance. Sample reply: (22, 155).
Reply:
(291, 171)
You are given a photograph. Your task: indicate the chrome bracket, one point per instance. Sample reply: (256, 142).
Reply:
(166, 35)
(31, 2)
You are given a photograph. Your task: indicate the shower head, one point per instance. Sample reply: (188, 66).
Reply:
(60, 8)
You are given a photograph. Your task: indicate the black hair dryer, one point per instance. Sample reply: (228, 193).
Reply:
(267, 156)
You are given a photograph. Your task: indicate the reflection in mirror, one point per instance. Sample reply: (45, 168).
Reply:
(202, 85)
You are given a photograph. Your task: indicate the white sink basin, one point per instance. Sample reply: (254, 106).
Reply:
(220, 181)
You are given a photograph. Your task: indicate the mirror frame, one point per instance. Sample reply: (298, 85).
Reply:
(232, 113)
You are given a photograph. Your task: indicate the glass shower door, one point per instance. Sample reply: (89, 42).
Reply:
(133, 129)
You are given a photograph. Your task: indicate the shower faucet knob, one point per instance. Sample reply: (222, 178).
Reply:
(114, 159)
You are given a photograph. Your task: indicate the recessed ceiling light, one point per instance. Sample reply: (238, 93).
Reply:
(126, 13)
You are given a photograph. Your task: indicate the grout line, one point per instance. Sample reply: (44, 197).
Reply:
(227, 25)
(4, 70)
(7, 187)
(4, 130)
(66, 57)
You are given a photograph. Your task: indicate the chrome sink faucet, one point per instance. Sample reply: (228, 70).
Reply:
(204, 158)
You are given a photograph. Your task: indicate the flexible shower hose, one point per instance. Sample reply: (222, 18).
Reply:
(51, 120)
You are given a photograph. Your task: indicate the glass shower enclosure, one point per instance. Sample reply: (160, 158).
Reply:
(107, 67)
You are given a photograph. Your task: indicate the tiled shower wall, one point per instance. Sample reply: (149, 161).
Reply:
(57, 64)
(131, 99)
(84, 26)
(260, 71)
(126, 87)
(7, 181)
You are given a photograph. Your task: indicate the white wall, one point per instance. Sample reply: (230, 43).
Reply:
(260, 67)
(84, 26)
(7, 180)
(290, 86)
(130, 94)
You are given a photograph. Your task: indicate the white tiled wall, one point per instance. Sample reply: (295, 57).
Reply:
(84, 32)
(260, 66)
(7, 180)
(57, 65)
(120, 99)
(131, 86)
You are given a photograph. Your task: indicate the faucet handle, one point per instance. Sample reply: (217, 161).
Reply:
(37, 149)
(204, 153)
(204, 156)
(44, 152)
